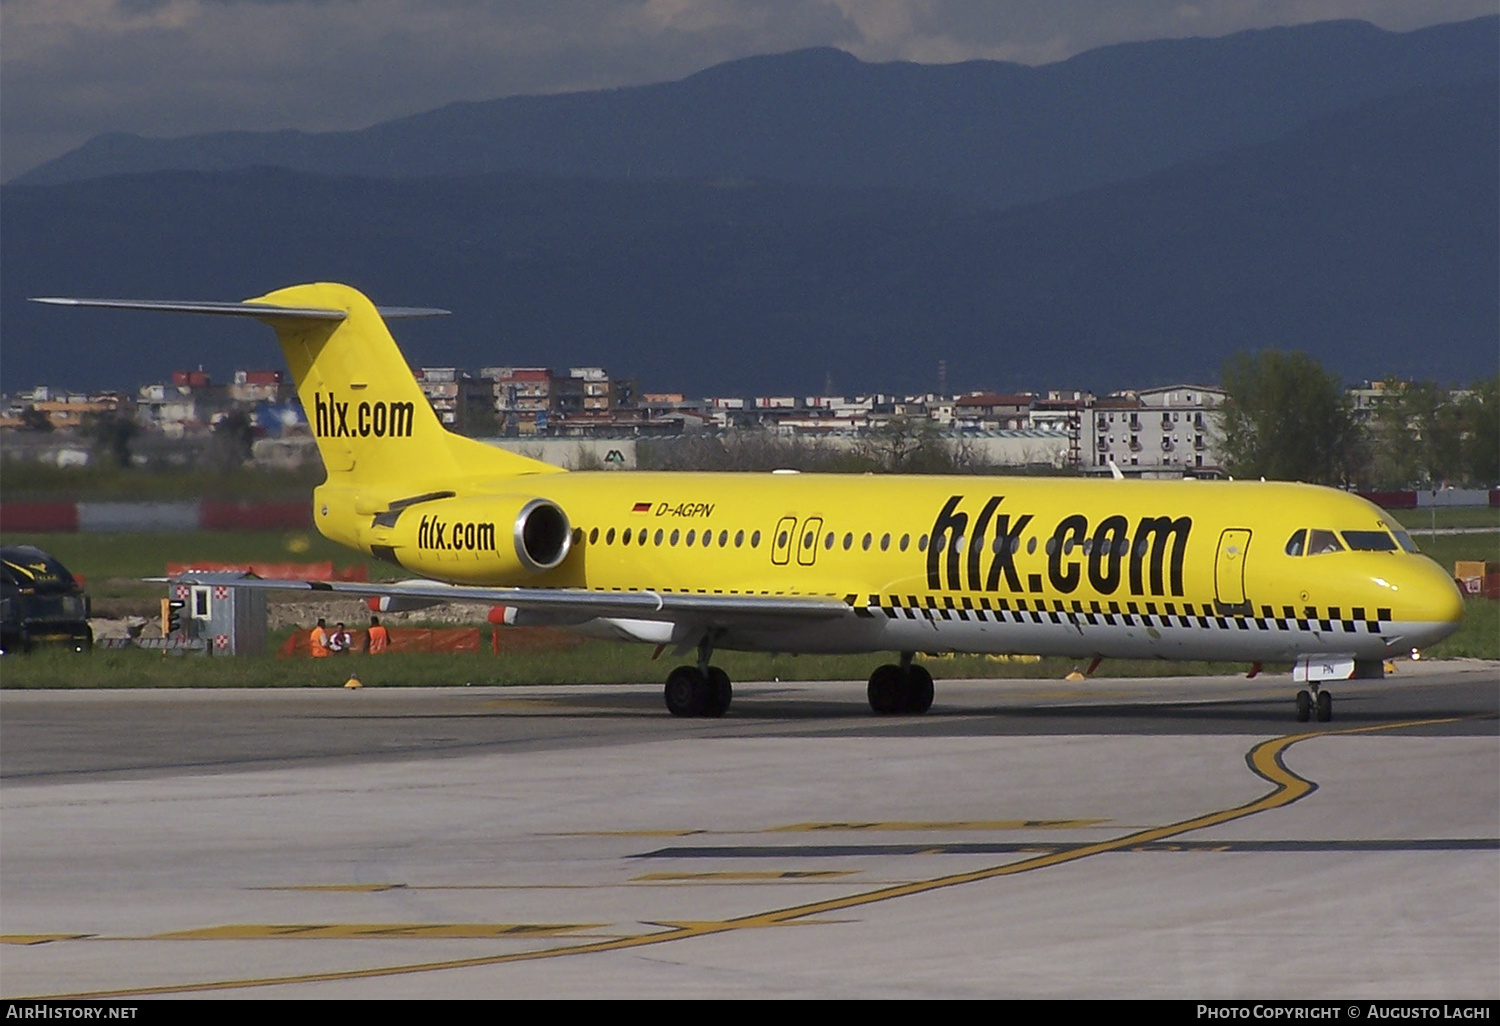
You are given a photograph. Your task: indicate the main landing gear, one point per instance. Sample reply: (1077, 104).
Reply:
(1307, 701)
(900, 689)
(704, 690)
(701, 690)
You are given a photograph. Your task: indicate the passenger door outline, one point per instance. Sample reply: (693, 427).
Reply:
(781, 541)
(1229, 572)
(807, 541)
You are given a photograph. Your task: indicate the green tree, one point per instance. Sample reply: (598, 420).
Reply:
(1394, 456)
(1423, 435)
(111, 432)
(233, 438)
(480, 422)
(1287, 419)
(33, 419)
(1402, 431)
(899, 447)
(906, 446)
(1479, 413)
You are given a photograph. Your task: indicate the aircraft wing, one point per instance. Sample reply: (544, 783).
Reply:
(575, 603)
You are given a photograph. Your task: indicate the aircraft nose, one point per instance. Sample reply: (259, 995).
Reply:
(1436, 603)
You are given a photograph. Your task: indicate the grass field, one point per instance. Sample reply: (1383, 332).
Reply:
(1446, 549)
(592, 662)
(35, 482)
(114, 563)
(1477, 638)
(1422, 520)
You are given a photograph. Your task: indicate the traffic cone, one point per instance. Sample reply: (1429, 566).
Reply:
(353, 681)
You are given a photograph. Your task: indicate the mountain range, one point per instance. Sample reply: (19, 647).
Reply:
(1128, 217)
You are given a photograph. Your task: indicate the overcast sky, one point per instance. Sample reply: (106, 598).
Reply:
(70, 69)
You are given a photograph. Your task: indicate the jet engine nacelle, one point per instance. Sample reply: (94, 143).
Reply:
(482, 540)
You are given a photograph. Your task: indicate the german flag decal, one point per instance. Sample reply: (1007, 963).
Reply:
(641, 507)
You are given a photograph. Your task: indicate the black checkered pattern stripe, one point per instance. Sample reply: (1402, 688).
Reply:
(1327, 619)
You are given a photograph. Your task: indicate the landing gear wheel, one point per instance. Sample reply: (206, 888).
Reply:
(718, 693)
(687, 692)
(1304, 707)
(1325, 707)
(893, 690)
(919, 691)
(887, 690)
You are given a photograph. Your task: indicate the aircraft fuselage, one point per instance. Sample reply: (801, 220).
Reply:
(1185, 570)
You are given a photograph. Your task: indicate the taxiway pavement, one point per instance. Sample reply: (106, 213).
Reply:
(1168, 837)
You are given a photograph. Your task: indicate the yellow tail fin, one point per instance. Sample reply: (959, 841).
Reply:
(366, 411)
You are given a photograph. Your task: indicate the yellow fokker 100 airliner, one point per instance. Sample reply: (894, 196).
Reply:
(787, 562)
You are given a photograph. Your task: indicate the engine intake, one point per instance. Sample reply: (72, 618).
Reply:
(543, 535)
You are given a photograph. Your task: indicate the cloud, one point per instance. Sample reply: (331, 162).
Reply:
(71, 69)
(1043, 31)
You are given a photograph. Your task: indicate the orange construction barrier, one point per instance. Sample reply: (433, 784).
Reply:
(448, 639)
(531, 639)
(403, 639)
(321, 571)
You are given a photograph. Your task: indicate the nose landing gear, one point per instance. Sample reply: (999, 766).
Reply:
(1311, 700)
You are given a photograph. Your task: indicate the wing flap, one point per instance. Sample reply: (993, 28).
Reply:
(709, 610)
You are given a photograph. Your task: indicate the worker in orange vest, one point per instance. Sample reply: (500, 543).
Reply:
(318, 640)
(377, 638)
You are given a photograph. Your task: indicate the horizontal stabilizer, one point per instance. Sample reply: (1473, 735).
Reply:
(265, 311)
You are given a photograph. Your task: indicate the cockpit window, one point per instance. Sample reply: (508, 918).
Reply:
(1319, 542)
(1295, 543)
(1369, 541)
(1404, 540)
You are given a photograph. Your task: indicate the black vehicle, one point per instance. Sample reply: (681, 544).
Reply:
(42, 603)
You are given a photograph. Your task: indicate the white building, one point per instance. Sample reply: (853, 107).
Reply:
(1155, 432)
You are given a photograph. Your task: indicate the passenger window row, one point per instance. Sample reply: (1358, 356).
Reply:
(707, 539)
(643, 536)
